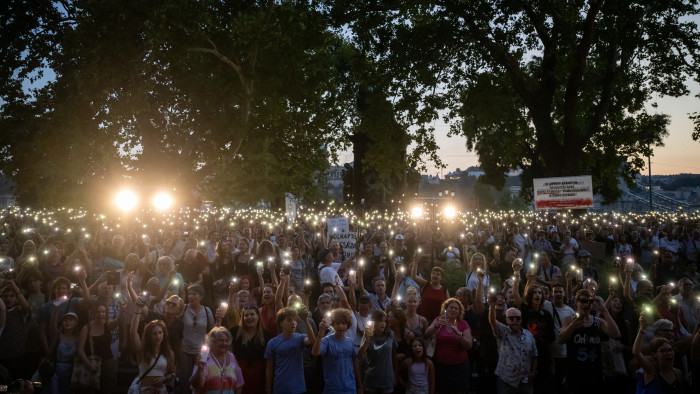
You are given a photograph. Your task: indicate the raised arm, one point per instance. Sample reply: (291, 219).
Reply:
(21, 301)
(414, 274)
(342, 297)
(517, 299)
(133, 331)
(608, 324)
(352, 301)
(87, 299)
(478, 301)
(637, 348)
(492, 319)
(360, 278)
(280, 294)
(322, 329)
(112, 324)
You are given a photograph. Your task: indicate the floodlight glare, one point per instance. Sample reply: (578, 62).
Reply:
(125, 200)
(162, 201)
(449, 212)
(417, 212)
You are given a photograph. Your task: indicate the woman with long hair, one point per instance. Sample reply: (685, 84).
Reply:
(223, 265)
(154, 357)
(99, 331)
(380, 348)
(241, 260)
(396, 319)
(419, 370)
(267, 255)
(220, 371)
(414, 322)
(268, 310)
(476, 265)
(249, 341)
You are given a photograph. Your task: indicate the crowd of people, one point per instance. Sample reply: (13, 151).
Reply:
(224, 302)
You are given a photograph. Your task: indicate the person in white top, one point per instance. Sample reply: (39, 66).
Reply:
(561, 312)
(478, 262)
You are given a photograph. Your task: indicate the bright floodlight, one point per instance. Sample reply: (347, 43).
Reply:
(450, 212)
(126, 200)
(162, 201)
(417, 212)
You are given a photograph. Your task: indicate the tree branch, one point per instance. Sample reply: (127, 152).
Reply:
(537, 22)
(214, 51)
(577, 71)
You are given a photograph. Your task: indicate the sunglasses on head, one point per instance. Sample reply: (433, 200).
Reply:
(585, 301)
(514, 318)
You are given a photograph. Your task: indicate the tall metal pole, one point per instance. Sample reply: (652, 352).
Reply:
(432, 234)
(651, 205)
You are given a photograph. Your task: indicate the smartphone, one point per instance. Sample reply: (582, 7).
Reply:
(113, 278)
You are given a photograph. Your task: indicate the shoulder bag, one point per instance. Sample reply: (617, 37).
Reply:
(83, 375)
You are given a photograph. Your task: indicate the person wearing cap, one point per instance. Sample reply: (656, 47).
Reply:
(173, 321)
(63, 302)
(326, 272)
(65, 351)
(401, 255)
(584, 260)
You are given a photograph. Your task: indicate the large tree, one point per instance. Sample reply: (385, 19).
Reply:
(238, 100)
(555, 88)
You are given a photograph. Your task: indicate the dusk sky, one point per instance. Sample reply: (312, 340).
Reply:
(679, 155)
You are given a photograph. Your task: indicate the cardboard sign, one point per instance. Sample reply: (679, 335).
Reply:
(338, 225)
(347, 241)
(563, 193)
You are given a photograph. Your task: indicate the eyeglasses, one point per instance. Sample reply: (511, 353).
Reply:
(170, 303)
(585, 301)
(514, 318)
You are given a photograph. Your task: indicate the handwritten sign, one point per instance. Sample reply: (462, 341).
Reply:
(347, 241)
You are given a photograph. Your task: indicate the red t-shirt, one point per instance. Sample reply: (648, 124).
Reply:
(431, 301)
(448, 349)
(269, 324)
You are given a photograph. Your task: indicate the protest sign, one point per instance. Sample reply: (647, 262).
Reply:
(347, 240)
(563, 193)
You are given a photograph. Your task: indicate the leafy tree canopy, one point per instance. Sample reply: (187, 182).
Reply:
(239, 100)
(555, 88)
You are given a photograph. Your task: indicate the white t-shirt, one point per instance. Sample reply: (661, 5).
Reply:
(472, 281)
(359, 323)
(564, 313)
(329, 274)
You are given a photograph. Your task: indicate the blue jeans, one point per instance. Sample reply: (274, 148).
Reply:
(504, 388)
